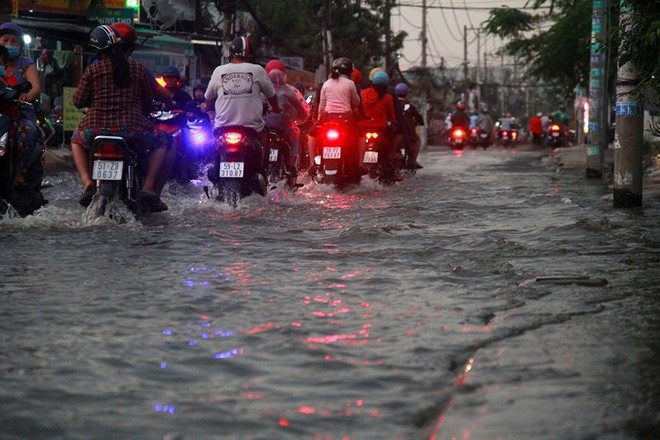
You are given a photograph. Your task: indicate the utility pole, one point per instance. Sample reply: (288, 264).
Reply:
(465, 55)
(423, 139)
(628, 157)
(388, 37)
(598, 102)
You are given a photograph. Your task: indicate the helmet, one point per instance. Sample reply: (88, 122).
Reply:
(373, 72)
(539, 114)
(171, 71)
(126, 31)
(343, 66)
(275, 64)
(103, 37)
(356, 76)
(240, 47)
(11, 28)
(401, 89)
(460, 105)
(200, 86)
(381, 78)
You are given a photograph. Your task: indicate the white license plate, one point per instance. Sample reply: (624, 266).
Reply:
(107, 170)
(555, 135)
(272, 156)
(232, 169)
(484, 135)
(505, 137)
(371, 157)
(331, 152)
(458, 141)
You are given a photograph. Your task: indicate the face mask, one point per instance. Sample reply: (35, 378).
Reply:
(13, 51)
(2, 70)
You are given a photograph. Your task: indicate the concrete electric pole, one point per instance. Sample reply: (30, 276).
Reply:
(424, 135)
(598, 97)
(628, 142)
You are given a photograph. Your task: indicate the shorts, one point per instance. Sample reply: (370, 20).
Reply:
(142, 140)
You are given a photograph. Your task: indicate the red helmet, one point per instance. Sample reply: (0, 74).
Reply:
(275, 64)
(460, 105)
(356, 76)
(126, 31)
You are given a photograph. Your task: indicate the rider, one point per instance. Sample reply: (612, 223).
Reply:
(172, 79)
(235, 93)
(19, 70)
(460, 118)
(561, 117)
(339, 100)
(195, 108)
(536, 128)
(117, 94)
(411, 119)
(379, 108)
(295, 109)
(485, 122)
(129, 37)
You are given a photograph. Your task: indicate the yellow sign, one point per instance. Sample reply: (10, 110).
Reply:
(72, 114)
(14, 8)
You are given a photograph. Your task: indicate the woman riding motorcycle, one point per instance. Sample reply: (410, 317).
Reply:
(19, 70)
(339, 100)
(118, 95)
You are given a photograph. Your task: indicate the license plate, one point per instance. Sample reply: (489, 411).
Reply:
(458, 141)
(107, 170)
(331, 152)
(272, 156)
(371, 157)
(232, 169)
(555, 135)
(484, 135)
(505, 137)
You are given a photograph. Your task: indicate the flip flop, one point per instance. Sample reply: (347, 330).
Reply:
(87, 195)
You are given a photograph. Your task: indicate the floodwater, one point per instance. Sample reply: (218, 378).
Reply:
(318, 314)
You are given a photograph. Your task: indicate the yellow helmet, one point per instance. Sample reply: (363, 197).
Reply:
(374, 71)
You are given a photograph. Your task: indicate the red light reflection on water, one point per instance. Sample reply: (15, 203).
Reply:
(460, 381)
(458, 153)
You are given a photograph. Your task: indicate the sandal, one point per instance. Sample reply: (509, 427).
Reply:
(87, 195)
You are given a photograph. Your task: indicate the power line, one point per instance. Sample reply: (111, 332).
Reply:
(468, 8)
(448, 28)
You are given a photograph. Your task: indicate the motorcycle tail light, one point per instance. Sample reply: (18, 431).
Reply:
(372, 135)
(554, 127)
(232, 137)
(109, 150)
(514, 135)
(332, 135)
(504, 133)
(458, 133)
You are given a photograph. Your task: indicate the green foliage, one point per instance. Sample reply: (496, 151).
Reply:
(506, 22)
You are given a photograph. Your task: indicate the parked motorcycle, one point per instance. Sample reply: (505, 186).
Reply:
(238, 166)
(24, 197)
(458, 138)
(119, 173)
(338, 162)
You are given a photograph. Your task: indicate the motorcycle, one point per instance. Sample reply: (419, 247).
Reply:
(479, 138)
(172, 122)
(555, 136)
(119, 172)
(458, 138)
(279, 152)
(24, 197)
(238, 166)
(376, 161)
(338, 162)
(195, 149)
(507, 137)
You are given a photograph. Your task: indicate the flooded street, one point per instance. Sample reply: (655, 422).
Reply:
(402, 312)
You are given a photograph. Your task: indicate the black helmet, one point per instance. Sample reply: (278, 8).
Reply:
(240, 47)
(342, 66)
(103, 37)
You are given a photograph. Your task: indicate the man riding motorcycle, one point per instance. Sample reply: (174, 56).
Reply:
(235, 93)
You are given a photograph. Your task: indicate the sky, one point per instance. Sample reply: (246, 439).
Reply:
(445, 21)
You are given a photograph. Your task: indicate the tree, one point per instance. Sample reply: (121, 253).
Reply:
(559, 55)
